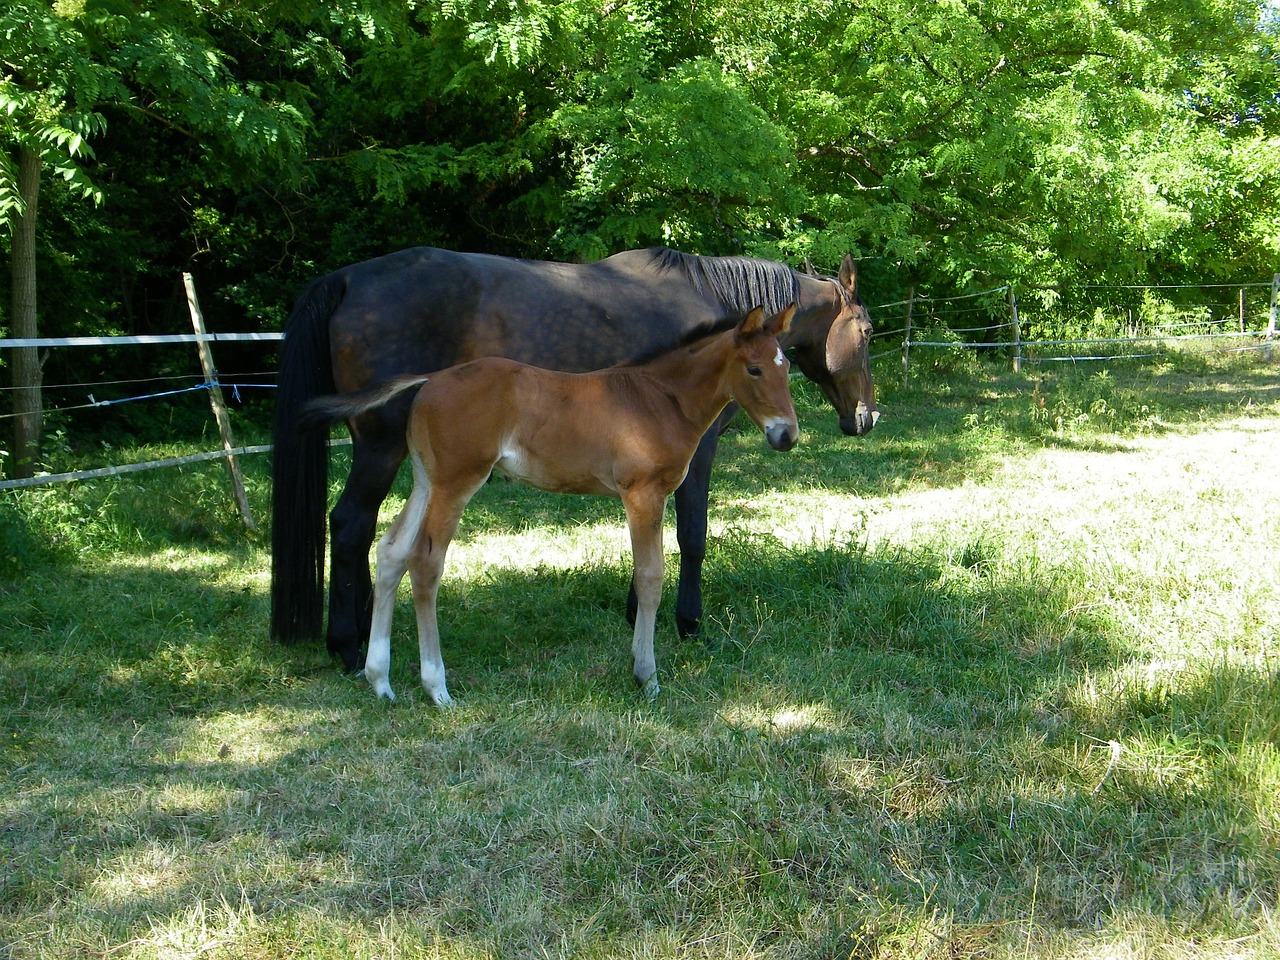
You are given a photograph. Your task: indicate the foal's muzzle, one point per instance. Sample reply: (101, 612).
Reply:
(782, 436)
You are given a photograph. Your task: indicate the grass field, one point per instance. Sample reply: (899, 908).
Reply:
(1000, 680)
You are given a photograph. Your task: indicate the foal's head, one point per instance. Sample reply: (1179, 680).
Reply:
(759, 376)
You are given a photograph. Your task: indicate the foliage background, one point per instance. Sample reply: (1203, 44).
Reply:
(1057, 583)
(999, 680)
(951, 146)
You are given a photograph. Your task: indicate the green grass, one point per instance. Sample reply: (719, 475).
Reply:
(1000, 680)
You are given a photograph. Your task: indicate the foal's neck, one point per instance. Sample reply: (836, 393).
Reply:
(695, 377)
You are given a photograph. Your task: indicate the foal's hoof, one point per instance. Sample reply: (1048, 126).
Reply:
(651, 688)
(442, 700)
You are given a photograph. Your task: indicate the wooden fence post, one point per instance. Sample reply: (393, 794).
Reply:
(219, 405)
(906, 335)
(1017, 331)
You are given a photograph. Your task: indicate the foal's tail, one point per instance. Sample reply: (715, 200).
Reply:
(300, 468)
(343, 406)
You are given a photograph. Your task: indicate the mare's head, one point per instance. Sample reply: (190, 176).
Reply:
(759, 376)
(840, 361)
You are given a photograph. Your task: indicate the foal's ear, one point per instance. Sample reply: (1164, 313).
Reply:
(780, 323)
(753, 322)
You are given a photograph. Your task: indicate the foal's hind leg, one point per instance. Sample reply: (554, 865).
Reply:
(426, 566)
(393, 559)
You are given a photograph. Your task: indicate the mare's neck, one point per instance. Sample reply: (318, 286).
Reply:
(820, 301)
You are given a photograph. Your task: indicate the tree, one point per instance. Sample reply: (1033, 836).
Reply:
(64, 66)
(952, 145)
(1004, 141)
(46, 94)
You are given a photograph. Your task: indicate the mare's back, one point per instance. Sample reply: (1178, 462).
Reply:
(424, 309)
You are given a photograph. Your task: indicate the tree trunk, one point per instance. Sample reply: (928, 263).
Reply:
(27, 408)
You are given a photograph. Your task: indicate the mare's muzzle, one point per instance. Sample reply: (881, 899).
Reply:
(861, 421)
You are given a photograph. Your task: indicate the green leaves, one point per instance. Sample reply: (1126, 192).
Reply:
(48, 86)
(60, 71)
(181, 78)
(1011, 141)
(996, 142)
(679, 160)
(396, 174)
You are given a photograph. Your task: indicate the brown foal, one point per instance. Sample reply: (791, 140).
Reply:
(627, 431)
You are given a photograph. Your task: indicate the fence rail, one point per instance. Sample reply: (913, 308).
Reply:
(149, 339)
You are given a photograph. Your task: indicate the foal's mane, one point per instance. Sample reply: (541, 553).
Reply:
(740, 283)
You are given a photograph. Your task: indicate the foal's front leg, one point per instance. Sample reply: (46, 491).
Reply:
(644, 519)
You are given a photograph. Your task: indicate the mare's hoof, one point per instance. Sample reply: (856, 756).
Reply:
(686, 627)
(352, 660)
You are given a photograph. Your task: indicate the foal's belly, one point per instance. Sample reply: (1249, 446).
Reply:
(561, 475)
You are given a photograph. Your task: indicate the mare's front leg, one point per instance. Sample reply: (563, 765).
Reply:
(691, 526)
(352, 525)
(644, 520)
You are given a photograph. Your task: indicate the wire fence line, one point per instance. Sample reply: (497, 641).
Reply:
(923, 315)
(233, 387)
(1078, 324)
(148, 339)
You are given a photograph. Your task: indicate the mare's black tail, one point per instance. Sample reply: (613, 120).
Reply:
(300, 468)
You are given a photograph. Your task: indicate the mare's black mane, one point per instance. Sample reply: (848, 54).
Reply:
(739, 282)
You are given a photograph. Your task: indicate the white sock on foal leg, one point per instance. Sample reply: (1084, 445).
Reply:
(393, 561)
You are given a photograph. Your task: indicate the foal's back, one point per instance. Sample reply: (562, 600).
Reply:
(592, 433)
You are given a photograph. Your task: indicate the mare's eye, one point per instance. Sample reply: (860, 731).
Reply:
(754, 371)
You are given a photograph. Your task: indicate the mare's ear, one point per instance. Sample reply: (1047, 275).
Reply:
(753, 322)
(780, 323)
(849, 274)
(808, 267)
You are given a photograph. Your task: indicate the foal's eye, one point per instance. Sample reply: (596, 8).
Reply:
(754, 371)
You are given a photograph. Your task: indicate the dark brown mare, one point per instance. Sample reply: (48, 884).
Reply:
(421, 310)
(628, 431)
